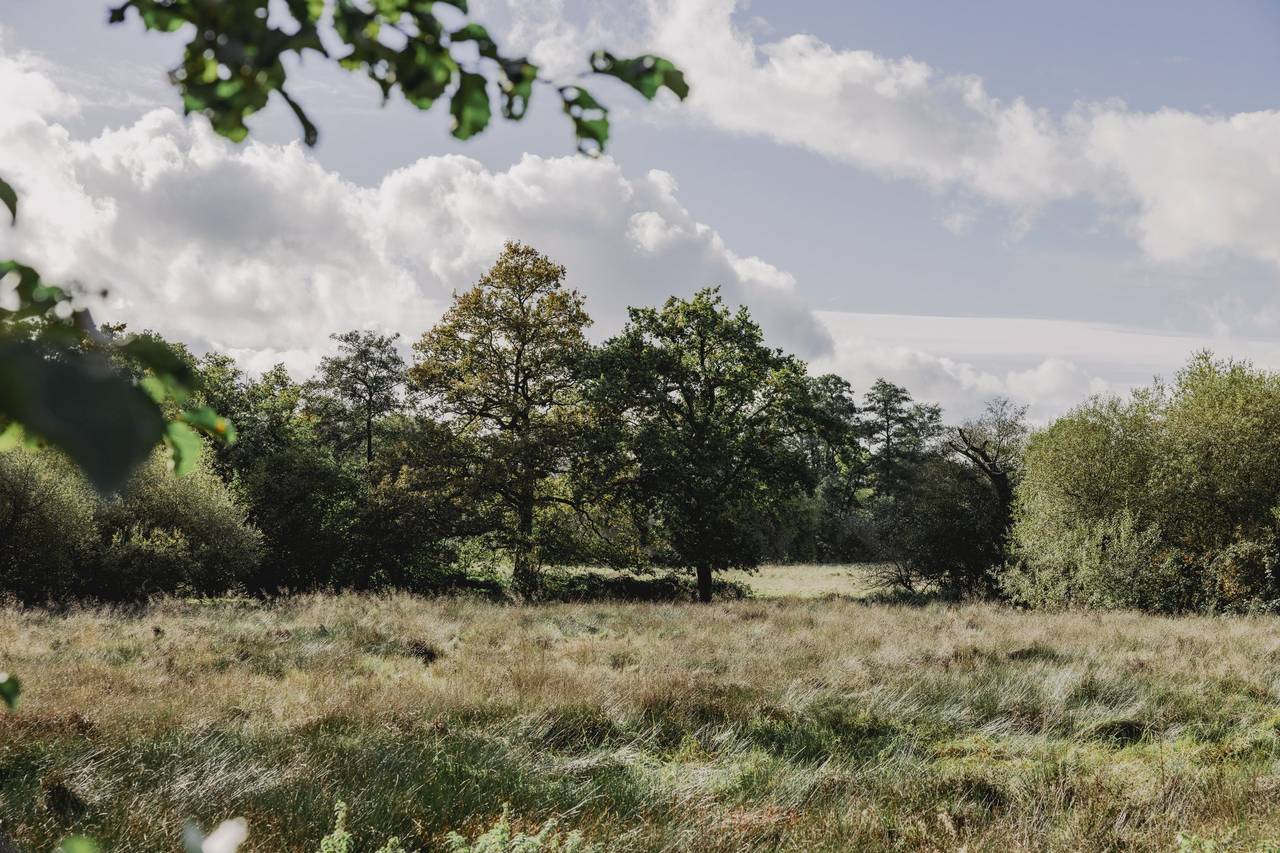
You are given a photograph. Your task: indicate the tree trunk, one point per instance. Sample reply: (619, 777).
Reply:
(704, 584)
(524, 573)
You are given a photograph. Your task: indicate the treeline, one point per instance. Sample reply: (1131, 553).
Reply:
(508, 446)
(509, 440)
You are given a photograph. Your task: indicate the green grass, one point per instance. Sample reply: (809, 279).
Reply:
(788, 723)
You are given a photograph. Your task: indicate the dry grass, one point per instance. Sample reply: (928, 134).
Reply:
(767, 724)
(807, 581)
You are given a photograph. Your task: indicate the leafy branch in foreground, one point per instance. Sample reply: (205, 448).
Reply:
(58, 383)
(235, 59)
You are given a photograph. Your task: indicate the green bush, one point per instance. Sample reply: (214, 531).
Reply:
(500, 838)
(47, 529)
(1162, 501)
(165, 533)
(161, 533)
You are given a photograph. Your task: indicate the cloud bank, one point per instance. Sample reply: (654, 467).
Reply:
(260, 251)
(1185, 186)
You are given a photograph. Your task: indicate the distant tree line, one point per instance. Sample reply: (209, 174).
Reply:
(508, 439)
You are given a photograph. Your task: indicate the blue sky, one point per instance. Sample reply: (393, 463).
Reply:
(998, 161)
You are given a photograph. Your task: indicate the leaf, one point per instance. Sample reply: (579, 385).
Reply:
(479, 35)
(185, 445)
(469, 106)
(516, 84)
(10, 689)
(78, 844)
(9, 196)
(211, 423)
(590, 119)
(178, 377)
(105, 423)
(646, 74)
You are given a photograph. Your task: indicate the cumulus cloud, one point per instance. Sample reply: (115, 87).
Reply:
(260, 251)
(1186, 185)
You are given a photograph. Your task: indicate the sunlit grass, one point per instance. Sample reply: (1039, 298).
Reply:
(807, 581)
(819, 723)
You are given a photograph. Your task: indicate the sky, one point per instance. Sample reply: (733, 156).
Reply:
(1040, 201)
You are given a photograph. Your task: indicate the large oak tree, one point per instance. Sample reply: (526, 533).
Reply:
(501, 370)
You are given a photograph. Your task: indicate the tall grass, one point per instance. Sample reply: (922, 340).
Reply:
(760, 724)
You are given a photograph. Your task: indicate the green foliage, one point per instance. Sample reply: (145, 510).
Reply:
(501, 371)
(103, 399)
(160, 533)
(339, 840)
(239, 50)
(166, 533)
(501, 838)
(100, 419)
(47, 519)
(1163, 501)
(10, 689)
(709, 413)
(342, 841)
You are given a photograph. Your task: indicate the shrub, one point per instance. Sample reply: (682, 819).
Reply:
(165, 533)
(162, 533)
(500, 838)
(47, 531)
(1162, 501)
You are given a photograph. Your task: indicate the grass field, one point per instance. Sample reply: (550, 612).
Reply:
(778, 723)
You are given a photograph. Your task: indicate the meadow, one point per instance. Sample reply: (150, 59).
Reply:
(804, 718)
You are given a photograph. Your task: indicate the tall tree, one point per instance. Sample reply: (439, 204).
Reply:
(501, 368)
(714, 414)
(356, 388)
(898, 430)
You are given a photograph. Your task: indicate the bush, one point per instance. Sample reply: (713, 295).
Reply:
(165, 533)
(942, 530)
(1162, 501)
(47, 529)
(1115, 563)
(60, 540)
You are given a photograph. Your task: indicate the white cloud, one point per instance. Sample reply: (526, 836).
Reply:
(259, 250)
(1187, 185)
(1050, 364)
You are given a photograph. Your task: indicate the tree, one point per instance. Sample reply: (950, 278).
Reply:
(501, 369)
(898, 431)
(841, 467)
(713, 416)
(993, 443)
(356, 388)
(934, 518)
